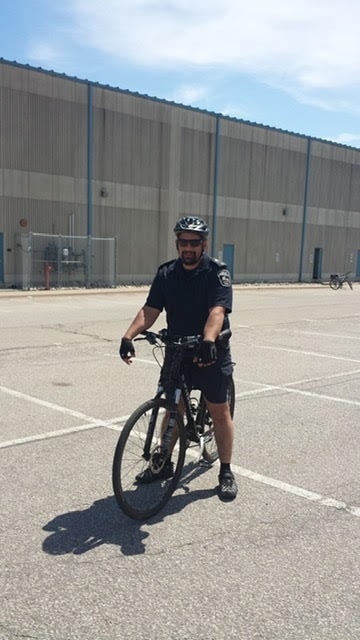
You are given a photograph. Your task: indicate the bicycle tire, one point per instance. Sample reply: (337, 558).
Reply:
(334, 283)
(137, 500)
(350, 284)
(210, 452)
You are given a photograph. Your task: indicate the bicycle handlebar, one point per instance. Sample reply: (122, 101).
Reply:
(340, 275)
(181, 341)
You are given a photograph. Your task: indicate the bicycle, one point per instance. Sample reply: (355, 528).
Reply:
(338, 279)
(158, 430)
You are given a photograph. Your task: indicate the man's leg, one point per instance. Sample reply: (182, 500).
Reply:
(224, 435)
(223, 429)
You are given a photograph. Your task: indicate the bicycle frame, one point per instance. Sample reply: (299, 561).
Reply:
(337, 280)
(178, 391)
(150, 452)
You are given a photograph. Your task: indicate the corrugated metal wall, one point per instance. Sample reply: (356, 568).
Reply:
(334, 207)
(153, 161)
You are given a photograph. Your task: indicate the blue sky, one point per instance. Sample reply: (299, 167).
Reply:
(283, 63)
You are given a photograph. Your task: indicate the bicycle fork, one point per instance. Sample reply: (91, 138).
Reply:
(169, 430)
(161, 451)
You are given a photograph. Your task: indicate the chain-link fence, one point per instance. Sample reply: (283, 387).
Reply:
(54, 261)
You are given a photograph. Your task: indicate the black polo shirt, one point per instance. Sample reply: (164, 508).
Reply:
(187, 295)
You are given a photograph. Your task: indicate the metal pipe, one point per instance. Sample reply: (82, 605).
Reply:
(306, 195)
(89, 160)
(71, 229)
(215, 190)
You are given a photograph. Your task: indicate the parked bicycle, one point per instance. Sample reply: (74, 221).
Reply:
(158, 430)
(338, 279)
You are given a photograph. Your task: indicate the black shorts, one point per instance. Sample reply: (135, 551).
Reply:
(213, 381)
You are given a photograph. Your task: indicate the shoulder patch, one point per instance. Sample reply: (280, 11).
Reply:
(224, 278)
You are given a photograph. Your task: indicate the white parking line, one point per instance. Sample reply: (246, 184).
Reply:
(300, 352)
(114, 423)
(288, 389)
(93, 423)
(50, 434)
(338, 336)
(321, 396)
(266, 387)
(45, 403)
(331, 376)
(297, 491)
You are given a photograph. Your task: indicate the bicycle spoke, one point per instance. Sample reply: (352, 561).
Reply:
(138, 497)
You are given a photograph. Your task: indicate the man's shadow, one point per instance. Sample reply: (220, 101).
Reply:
(103, 522)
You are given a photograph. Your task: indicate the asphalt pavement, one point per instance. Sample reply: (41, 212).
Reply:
(281, 562)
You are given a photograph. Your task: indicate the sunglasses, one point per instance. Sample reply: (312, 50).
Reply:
(193, 243)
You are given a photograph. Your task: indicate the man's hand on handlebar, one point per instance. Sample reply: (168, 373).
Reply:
(207, 354)
(126, 350)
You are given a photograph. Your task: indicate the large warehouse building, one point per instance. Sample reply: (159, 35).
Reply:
(93, 178)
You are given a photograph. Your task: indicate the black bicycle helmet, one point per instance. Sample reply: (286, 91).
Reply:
(192, 223)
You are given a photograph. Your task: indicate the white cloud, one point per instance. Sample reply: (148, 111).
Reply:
(235, 111)
(189, 94)
(351, 139)
(311, 44)
(40, 51)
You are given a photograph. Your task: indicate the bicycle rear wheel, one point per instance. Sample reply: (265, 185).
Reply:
(137, 499)
(210, 452)
(334, 283)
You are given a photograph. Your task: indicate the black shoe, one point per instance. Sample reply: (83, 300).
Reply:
(227, 486)
(149, 475)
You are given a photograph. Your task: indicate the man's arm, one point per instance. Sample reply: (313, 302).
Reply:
(214, 323)
(144, 319)
(207, 353)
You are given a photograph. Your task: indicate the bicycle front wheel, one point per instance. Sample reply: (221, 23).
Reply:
(210, 452)
(138, 498)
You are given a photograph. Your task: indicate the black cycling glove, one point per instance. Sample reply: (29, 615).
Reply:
(126, 350)
(207, 353)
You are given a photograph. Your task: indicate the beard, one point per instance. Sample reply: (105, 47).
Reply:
(190, 258)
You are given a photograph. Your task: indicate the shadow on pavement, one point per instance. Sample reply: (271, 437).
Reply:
(78, 532)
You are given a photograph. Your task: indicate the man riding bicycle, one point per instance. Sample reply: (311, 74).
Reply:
(196, 292)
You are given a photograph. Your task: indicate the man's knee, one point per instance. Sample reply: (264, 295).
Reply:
(219, 411)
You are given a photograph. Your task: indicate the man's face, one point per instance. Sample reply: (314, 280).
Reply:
(190, 246)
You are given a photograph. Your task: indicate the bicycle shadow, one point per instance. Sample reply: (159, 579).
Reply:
(81, 531)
